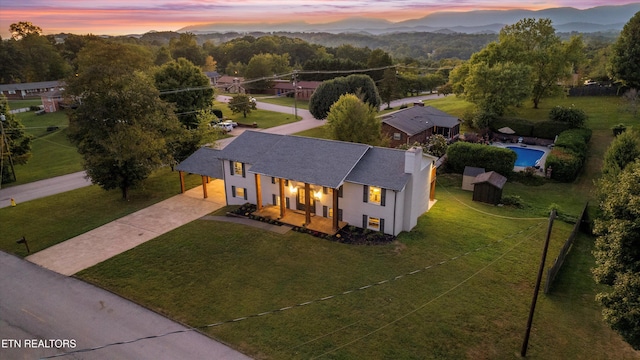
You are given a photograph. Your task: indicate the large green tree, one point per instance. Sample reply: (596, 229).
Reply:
(625, 60)
(183, 84)
(16, 143)
(243, 104)
(617, 252)
(351, 119)
(389, 86)
(330, 91)
(122, 128)
(186, 46)
(265, 66)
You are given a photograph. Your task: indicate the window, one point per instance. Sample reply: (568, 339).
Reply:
(375, 195)
(237, 168)
(397, 136)
(374, 223)
(239, 192)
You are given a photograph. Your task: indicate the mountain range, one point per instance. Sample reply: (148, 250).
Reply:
(565, 19)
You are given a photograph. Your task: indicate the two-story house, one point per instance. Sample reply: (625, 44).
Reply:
(324, 180)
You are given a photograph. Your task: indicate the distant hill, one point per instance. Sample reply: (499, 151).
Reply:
(566, 19)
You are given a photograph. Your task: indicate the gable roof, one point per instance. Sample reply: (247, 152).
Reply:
(472, 171)
(492, 178)
(249, 147)
(204, 161)
(417, 119)
(381, 167)
(32, 86)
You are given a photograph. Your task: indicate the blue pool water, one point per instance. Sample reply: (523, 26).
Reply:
(526, 157)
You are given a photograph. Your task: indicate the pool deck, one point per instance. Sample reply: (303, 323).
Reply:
(541, 162)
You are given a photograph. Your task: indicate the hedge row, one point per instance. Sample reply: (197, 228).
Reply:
(491, 158)
(522, 127)
(568, 155)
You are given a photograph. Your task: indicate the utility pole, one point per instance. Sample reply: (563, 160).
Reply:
(295, 94)
(525, 343)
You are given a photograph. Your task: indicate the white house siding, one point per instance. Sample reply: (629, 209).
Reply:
(247, 182)
(417, 194)
(353, 207)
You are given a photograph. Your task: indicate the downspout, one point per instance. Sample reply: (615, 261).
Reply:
(395, 206)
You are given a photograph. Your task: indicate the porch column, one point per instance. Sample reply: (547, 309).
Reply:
(335, 210)
(282, 199)
(204, 186)
(258, 192)
(181, 181)
(307, 204)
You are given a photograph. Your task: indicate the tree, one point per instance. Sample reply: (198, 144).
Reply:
(573, 116)
(389, 86)
(16, 144)
(23, 28)
(163, 56)
(41, 61)
(122, 128)
(617, 253)
(624, 150)
(625, 65)
(185, 85)
(534, 43)
(330, 91)
(265, 66)
(186, 46)
(350, 119)
(378, 58)
(242, 103)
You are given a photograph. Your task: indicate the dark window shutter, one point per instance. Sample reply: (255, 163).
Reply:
(325, 190)
(243, 172)
(365, 193)
(364, 221)
(273, 199)
(381, 225)
(273, 180)
(287, 203)
(383, 196)
(339, 214)
(286, 183)
(245, 193)
(340, 191)
(233, 191)
(325, 211)
(231, 167)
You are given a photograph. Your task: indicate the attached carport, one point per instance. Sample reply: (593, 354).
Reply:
(203, 162)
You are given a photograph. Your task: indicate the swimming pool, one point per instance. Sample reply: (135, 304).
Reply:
(526, 157)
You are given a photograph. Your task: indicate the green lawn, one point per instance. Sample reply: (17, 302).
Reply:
(284, 101)
(48, 221)
(474, 305)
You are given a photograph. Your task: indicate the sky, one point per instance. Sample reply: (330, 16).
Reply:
(122, 17)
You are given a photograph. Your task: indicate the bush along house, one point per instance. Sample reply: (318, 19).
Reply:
(320, 184)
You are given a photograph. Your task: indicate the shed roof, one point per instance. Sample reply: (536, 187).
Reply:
(204, 161)
(472, 171)
(417, 119)
(492, 178)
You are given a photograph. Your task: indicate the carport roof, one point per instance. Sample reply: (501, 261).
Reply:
(204, 161)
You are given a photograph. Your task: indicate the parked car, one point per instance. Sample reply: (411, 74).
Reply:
(221, 126)
(230, 122)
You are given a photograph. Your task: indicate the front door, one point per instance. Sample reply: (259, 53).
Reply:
(300, 203)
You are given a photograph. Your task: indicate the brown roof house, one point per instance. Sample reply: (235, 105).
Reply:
(305, 88)
(488, 187)
(417, 123)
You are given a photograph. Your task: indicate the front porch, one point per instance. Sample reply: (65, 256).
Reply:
(297, 218)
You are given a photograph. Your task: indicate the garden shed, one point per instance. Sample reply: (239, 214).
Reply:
(488, 187)
(469, 176)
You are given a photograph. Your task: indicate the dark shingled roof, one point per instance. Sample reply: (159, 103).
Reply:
(417, 119)
(249, 147)
(492, 178)
(381, 167)
(472, 171)
(316, 161)
(204, 161)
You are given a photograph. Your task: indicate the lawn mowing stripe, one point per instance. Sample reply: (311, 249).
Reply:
(311, 302)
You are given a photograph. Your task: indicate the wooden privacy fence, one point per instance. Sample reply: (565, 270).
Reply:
(557, 264)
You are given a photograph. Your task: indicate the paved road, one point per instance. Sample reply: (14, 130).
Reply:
(42, 188)
(92, 317)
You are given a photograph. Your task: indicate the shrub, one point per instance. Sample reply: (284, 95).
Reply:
(572, 116)
(549, 129)
(618, 129)
(521, 127)
(574, 140)
(565, 164)
(512, 200)
(490, 158)
(482, 119)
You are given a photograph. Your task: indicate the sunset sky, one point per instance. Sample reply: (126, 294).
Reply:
(119, 17)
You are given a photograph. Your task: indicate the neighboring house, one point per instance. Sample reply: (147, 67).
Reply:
(488, 187)
(230, 84)
(417, 123)
(29, 90)
(469, 177)
(305, 88)
(213, 77)
(311, 182)
(51, 100)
